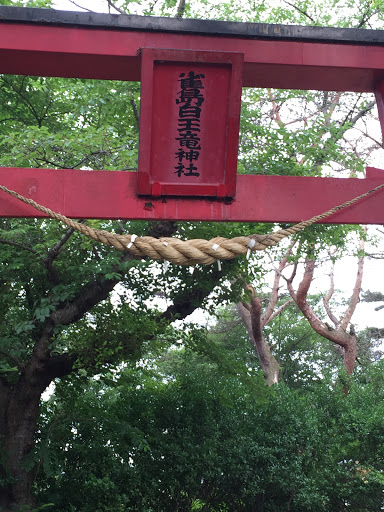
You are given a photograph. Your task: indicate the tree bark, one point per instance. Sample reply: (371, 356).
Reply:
(252, 321)
(255, 322)
(20, 411)
(339, 336)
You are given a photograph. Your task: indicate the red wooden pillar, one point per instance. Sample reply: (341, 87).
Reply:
(379, 94)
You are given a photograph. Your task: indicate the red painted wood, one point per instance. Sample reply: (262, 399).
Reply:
(112, 54)
(189, 127)
(379, 95)
(112, 195)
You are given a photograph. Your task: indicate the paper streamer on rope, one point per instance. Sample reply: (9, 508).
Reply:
(251, 245)
(133, 238)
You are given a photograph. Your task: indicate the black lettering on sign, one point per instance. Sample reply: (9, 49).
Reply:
(190, 98)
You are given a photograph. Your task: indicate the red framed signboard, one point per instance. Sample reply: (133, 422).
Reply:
(189, 122)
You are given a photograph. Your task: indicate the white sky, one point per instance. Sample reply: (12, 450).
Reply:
(93, 5)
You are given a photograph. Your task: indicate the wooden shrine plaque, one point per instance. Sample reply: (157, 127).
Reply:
(189, 123)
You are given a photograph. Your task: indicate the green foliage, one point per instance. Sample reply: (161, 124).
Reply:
(295, 132)
(337, 13)
(67, 123)
(187, 435)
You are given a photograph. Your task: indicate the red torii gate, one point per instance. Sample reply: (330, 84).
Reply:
(45, 42)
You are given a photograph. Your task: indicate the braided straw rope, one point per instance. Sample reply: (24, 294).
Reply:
(188, 252)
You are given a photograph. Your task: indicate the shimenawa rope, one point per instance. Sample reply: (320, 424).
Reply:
(187, 252)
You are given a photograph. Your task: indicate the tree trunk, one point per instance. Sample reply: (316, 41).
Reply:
(339, 336)
(350, 354)
(19, 416)
(18, 427)
(252, 321)
(255, 322)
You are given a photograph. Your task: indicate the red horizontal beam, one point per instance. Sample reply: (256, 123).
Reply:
(112, 195)
(112, 54)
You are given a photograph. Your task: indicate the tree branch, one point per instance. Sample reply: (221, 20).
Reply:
(162, 228)
(300, 297)
(338, 336)
(301, 11)
(56, 250)
(61, 365)
(244, 311)
(135, 112)
(180, 9)
(26, 100)
(252, 321)
(362, 112)
(328, 297)
(114, 6)
(54, 253)
(19, 246)
(275, 109)
(275, 287)
(280, 309)
(80, 6)
(290, 279)
(44, 160)
(256, 319)
(332, 106)
(367, 16)
(91, 294)
(152, 6)
(356, 290)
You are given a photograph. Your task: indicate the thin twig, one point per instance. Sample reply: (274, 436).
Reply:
(380, 144)
(329, 295)
(376, 256)
(114, 6)
(367, 16)
(26, 100)
(44, 160)
(152, 6)
(362, 112)
(80, 6)
(135, 112)
(280, 309)
(300, 10)
(121, 230)
(16, 244)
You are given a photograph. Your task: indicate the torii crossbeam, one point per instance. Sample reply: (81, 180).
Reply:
(44, 42)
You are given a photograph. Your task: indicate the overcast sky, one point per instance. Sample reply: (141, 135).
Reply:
(93, 5)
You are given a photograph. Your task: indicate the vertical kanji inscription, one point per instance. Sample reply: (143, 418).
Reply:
(190, 99)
